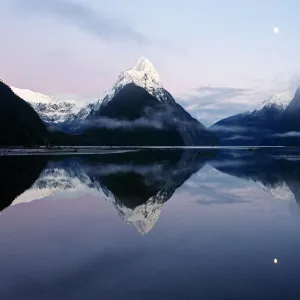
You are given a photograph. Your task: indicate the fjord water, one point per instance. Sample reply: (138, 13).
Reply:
(159, 224)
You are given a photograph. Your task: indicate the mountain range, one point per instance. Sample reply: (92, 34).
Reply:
(50, 109)
(275, 122)
(137, 110)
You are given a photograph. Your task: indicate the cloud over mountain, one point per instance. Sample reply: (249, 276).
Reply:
(212, 103)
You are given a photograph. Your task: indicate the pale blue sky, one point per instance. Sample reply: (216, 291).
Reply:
(219, 56)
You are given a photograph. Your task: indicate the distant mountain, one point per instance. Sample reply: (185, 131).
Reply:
(50, 109)
(289, 133)
(137, 111)
(259, 127)
(19, 123)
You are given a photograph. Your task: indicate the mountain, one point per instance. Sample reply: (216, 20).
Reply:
(289, 135)
(137, 184)
(51, 110)
(254, 128)
(143, 122)
(281, 101)
(291, 116)
(137, 111)
(19, 123)
(143, 74)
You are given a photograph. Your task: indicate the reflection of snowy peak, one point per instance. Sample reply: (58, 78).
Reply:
(144, 217)
(74, 176)
(55, 180)
(52, 181)
(137, 190)
(50, 109)
(280, 190)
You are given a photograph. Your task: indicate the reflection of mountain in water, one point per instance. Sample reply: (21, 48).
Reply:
(136, 183)
(277, 175)
(17, 175)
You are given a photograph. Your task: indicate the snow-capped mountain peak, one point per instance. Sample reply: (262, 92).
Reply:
(281, 101)
(145, 70)
(142, 64)
(142, 74)
(31, 96)
(50, 109)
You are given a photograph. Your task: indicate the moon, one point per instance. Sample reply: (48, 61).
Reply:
(276, 30)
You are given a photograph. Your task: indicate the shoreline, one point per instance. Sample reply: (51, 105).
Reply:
(77, 150)
(58, 151)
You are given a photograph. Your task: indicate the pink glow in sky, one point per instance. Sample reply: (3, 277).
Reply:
(71, 46)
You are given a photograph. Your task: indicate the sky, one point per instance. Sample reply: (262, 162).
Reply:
(216, 57)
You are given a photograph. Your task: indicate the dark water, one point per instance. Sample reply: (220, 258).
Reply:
(151, 225)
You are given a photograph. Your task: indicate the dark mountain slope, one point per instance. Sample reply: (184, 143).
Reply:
(19, 123)
(135, 117)
(291, 116)
(132, 117)
(250, 128)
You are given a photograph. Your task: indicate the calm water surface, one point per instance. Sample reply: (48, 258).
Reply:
(151, 225)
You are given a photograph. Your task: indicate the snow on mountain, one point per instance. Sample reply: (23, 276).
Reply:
(281, 101)
(49, 108)
(142, 74)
